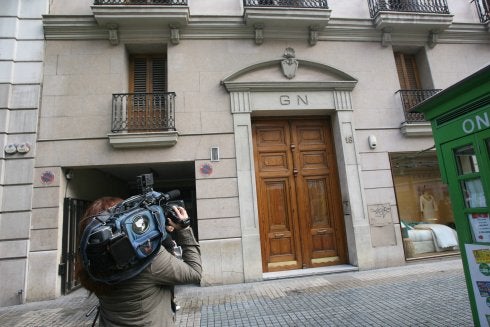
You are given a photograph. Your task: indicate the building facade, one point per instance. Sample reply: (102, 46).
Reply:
(286, 126)
(21, 71)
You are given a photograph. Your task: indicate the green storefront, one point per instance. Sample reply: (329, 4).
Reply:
(460, 119)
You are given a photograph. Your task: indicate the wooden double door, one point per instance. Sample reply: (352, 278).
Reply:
(299, 202)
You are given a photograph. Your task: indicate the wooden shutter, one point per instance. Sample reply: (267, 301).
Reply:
(148, 74)
(407, 71)
(148, 83)
(159, 67)
(139, 76)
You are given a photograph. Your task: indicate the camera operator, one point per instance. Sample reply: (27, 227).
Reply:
(146, 299)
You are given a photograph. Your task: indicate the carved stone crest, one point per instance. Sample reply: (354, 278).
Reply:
(290, 64)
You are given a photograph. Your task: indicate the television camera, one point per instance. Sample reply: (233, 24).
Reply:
(120, 242)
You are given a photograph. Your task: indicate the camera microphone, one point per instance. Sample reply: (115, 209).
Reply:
(170, 195)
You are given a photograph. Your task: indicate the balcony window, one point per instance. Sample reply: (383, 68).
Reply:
(148, 107)
(483, 8)
(146, 115)
(411, 92)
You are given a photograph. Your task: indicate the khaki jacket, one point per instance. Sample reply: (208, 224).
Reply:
(145, 300)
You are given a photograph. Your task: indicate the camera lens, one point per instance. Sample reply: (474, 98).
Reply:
(140, 224)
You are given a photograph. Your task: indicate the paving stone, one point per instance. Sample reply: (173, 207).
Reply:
(430, 293)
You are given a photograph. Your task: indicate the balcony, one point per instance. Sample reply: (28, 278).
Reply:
(415, 123)
(115, 14)
(141, 2)
(286, 3)
(286, 17)
(143, 119)
(419, 16)
(414, 6)
(483, 8)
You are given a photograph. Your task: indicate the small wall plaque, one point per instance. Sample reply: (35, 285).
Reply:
(380, 214)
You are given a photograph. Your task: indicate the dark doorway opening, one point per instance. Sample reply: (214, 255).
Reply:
(89, 183)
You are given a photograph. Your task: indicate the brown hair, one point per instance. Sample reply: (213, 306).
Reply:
(95, 208)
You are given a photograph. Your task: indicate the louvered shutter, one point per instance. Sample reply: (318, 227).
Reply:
(149, 74)
(159, 83)
(140, 75)
(148, 83)
(406, 67)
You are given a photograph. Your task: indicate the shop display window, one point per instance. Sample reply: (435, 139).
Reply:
(424, 206)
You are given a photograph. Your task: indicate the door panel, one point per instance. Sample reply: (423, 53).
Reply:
(280, 224)
(321, 231)
(280, 244)
(300, 209)
(318, 190)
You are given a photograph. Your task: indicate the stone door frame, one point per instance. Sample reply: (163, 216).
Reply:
(287, 97)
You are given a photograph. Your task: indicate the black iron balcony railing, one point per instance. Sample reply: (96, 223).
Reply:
(141, 2)
(417, 6)
(143, 112)
(483, 8)
(410, 98)
(287, 3)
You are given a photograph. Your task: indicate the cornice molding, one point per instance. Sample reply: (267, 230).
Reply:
(288, 85)
(62, 27)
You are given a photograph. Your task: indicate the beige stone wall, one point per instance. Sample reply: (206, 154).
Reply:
(204, 119)
(21, 63)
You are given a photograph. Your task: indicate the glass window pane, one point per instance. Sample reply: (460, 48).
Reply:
(466, 159)
(480, 227)
(473, 193)
(422, 198)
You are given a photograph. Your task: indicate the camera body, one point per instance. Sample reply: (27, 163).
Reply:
(120, 242)
(165, 200)
(168, 209)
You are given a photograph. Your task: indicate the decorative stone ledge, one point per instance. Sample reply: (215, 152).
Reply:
(315, 20)
(141, 16)
(420, 22)
(68, 27)
(430, 24)
(140, 140)
(416, 129)
(287, 16)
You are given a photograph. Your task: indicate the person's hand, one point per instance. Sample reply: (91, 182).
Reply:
(181, 213)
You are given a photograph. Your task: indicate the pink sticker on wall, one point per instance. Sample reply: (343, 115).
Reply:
(47, 177)
(206, 169)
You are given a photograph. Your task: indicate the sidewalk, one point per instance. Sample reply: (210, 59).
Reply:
(431, 293)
